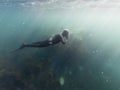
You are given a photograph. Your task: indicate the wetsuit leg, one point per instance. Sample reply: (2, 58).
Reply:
(38, 44)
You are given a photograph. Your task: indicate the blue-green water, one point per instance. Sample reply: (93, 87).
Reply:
(89, 61)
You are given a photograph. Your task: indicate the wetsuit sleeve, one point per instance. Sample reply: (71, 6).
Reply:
(50, 40)
(63, 40)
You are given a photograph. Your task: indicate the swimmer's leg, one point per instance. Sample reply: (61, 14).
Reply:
(34, 45)
(37, 44)
(28, 45)
(40, 42)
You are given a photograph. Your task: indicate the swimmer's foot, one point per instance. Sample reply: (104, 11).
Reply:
(22, 46)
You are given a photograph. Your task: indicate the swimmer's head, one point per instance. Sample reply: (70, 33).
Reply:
(65, 33)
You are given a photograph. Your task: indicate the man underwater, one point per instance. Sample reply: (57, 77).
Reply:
(62, 37)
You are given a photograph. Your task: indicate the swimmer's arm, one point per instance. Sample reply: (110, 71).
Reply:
(63, 40)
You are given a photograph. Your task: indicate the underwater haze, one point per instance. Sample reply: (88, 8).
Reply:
(90, 60)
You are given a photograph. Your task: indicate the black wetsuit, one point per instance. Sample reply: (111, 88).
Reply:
(51, 41)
